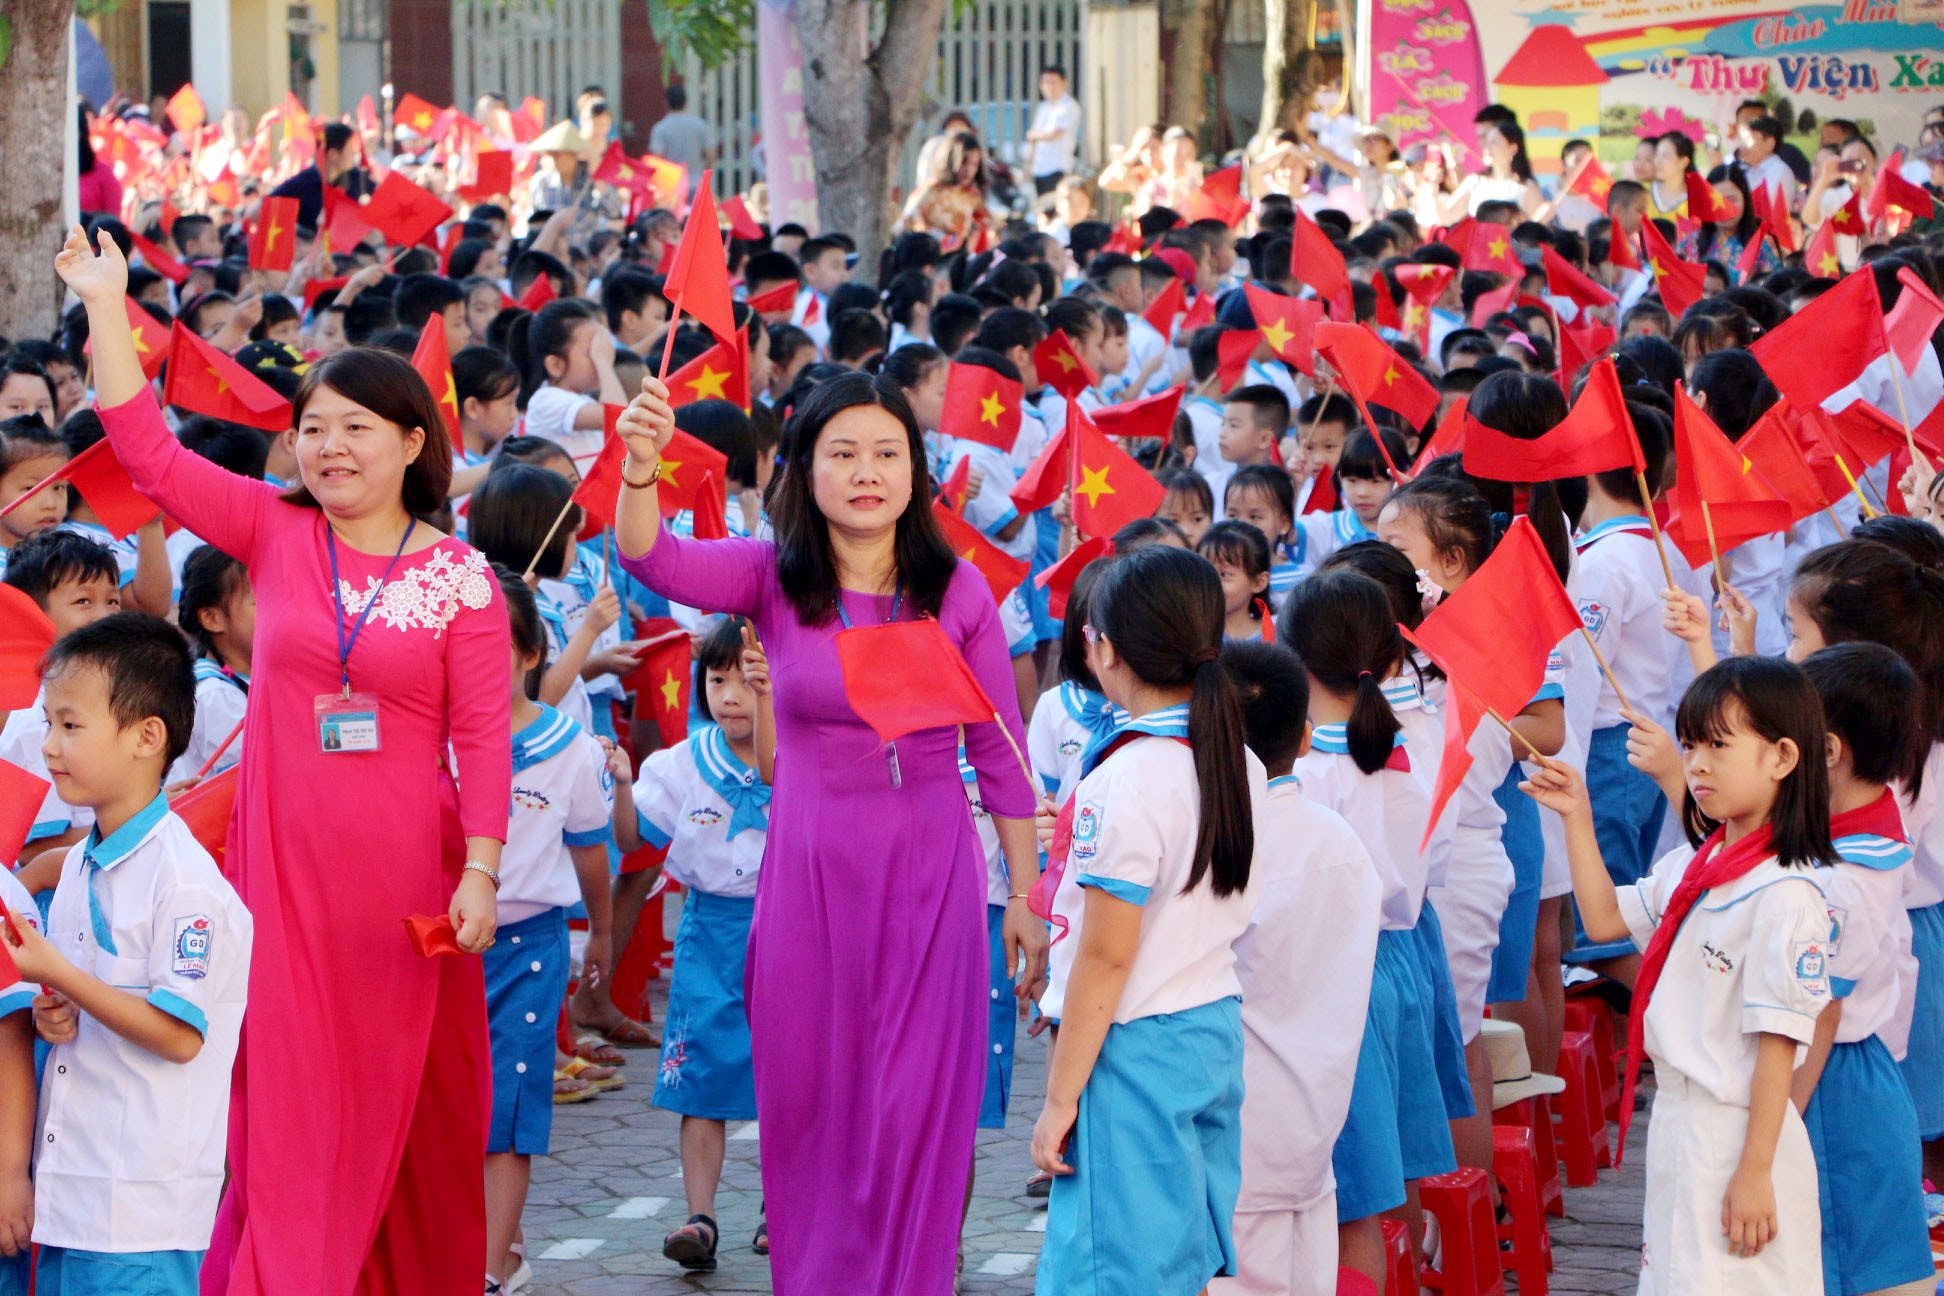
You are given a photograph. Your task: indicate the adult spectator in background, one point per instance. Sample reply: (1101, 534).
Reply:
(951, 199)
(955, 124)
(1053, 142)
(1673, 159)
(1746, 113)
(1761, 158)
(100, 190)
(332, 167)
(681, 136)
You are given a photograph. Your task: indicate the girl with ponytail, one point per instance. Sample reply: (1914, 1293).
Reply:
(1142, 1124)
(1342, 625)
(565, 356)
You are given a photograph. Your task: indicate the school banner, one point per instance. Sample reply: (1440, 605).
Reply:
(788, 167)
(1625, 69)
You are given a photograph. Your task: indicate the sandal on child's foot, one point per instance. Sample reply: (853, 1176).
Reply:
(595, 1050)
(1039, 1184)
(602, 1078)
(693, 1246)
(760, 1243)
(571, 1089)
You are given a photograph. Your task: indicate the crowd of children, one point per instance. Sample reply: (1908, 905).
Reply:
(1274, 974)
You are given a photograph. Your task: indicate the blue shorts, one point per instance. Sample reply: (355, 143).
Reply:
(1923, 1064)
(1628, 809)
(705, 1059)
(526, 979)
(1156, 1153)
(1441, 1015)
(1525, 846)
(64, 1272)
(1002, 1021)
(1869, 1172)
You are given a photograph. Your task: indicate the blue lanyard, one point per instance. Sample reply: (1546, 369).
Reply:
(345, 645)
(897, 605)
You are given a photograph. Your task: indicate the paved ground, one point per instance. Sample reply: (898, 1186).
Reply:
(613, 1187)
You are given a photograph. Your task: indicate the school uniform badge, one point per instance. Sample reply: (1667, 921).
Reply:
(1594, 614)
(193, 937)
(1811, 965)
(1086, 832)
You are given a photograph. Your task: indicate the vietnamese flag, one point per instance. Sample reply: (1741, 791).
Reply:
(1774, 208)
(687, 463)
(1492, 637)
(158, 260)
(952, 493)
(492, 177)
(1820, 258)
(1751, 255)
(414, 112)
(25, 636)
(1061, 367)
(1772, 447)
(1595, 436)
(433, 360)
(185, 110)
(1233, 350)
(1152, 417)
(1892, 190)
(1388, 316)
(1314, 260)
(600, 486)
(1705, 202)
(709, 518)
(1125, 239)
(106, 487)
(1826, 345)
(206, 809)
(741, 224)
(1058, 580)
(403, 212)
(1620, 251)
(1002, 571)
(1592, 182)
(698, 279)
(618, 169)
(1913, 320)
(1681, 283)
(433, 935)
(1450, 436)
(1047, 476)
(1376, 375)
(1485, 245)
(1564, 279)
(981, 405)
(1287, 324)
(203, 380)
(538, 293)
(775, 301)
(151, 338)
(720, 373)
(1425, 283)
(1201, 313)
(273, 239)
(1162, 310)
(1109, 488)
(22, 794)
(344, 219)
(661, 684)
(903, 676)
(1488, 304)
(1849, 218)
(1716, 489)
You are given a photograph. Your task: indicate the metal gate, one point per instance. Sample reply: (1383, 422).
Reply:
(549, 48)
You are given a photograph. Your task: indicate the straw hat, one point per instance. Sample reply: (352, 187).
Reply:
(561, 137)
(1513, 1078)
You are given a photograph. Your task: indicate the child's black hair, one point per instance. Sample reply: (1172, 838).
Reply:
(147, 666)
(1654, 431)
(1918, 541)
(528, 450)
(1342, 627)
(1455, 517)
(1186, 481)
(41, 563)
(1271, 480)
(1387, 565)
(1237, 544)
(483, 374)
(723, 426)
(719, 649)
(1273, 689)
(27, 436)
(1268, 406)
(1073, 638)
(210, 579)
(512, 512)
(546, 332)
(1161, 609)
(523, 618)
(1775, 700)
(1361, 460)
(1142, 532)
(1870, 700)
(1526, 406)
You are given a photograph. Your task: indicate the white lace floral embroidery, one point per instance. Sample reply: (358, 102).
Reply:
(426, 597)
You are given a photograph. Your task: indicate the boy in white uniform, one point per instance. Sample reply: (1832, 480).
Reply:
(145, 1016)
(1316, 917)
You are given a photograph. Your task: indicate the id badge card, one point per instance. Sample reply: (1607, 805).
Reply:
(346, 722)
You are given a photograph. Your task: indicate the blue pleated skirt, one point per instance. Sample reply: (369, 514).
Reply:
(1525, 846)
(1869, 1172)
(1923, 1064)
(1001, 1022)
(1441, 1014)
(705, 1059)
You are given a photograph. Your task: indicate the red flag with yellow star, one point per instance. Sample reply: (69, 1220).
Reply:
(1681, 283)
(1287, 324)
(952, 494)
(1153, 416)
(205, 381)
(1484, 246)
(151, 338)
(600, 486)
(1061, 367)
(1162, 310)
(403, 212)
(158, 260)
(1233, 351)
(412, 111)
(1314, 260)
(1375, 374)
(686, 465)
(698, 278)
(1820, 257)
(1109, 488)
(1592, 182)
(1002, 571)
(273, 239)
(1713, 474)
(661, 684)
(779, 300)
(982, 405)
(433, 360)
(720, 373)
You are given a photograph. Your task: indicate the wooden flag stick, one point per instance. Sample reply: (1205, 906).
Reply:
(1329, 390)
(1714, 550)
(1903, 409)
(1850, 477)
(668, 343)
(1025, 770)
(552, 531)
(1660, 547)
(1523, 741)
(1607, 670)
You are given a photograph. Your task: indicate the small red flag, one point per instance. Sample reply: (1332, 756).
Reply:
(1710, 468)
(1595, 436)
(205, 381)
(698, 279)
(273, 239)
(1751, 254)
(1620, 251)
(433, 935)
(1681, 283)
(433, 360)
(1109, 488)
(151, 337)
(1425, 283)
(102, 481)
(982, 406)
(1820, 258)
(686, 464)
(1485, 245)
(1287, 324)
(412, 111)
(1492, 638)
(1704, 201)
(1849, 218)
(741, 224)
(1061, 367)
(1125, 239)
(492, 177)
(952, 493)
(1162, 310)
(906, 675)
(709, 519)
(1058, 579)
(662, 683)
(22, 794)
(1913, 320)
(206, 809)
(780, 300)
(538, 293)
(1564, 279)
(158, 260)
(1827, 344)
(1002, 571)
(1388, 316)
(403, 212)
(1374, 374)
(1774, 209)
(1488, 304)
(1233, 350)
(600, 486)
(1892, 190)
(1450, 436)
(720, 373)
(1314, 260)
(1201, 313)
(185, 109)
(1772, 447)
(344, 219)
(1592, 181)
(1152, 417)
(25, 636)
(1323, 492)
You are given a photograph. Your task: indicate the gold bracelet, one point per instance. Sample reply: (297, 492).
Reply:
(653, 477)
(1018, 895)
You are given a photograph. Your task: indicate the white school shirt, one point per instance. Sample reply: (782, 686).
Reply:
(1068, 720)
(1871, 968)
(709, 809)
(572, 594)
(17, 995)
(1305, 964)
(1325, 533)
(1134, 822)
(179, 545)
(221, 696)
(20, 744)
(128, 1148)
(992, 508)
(1205, 421)
(1752, 958)
(1424, 725)
(563, 797)
(1275, 374)
(124, 549)
(1924, 886)
(812, 314)
(1387, 810)
(1032, 440)
(577, 704)
(1760, 569)
(998, 876)
(1055, 156)
(1620, 584)
(550, 413)
(1145, 341)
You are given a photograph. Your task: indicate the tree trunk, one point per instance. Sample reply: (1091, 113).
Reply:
(1188, 65)
(1288, 79)
(33, 97)
(859, 104)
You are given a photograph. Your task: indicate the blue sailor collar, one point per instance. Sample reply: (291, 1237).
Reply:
(1090, 710)
(547, 736)
(1403, 695)
(1168, 722)
(739, 786)
(1335, 739)
(1349, 527)
(207, 669)
(106, 852)
(1873, 851)
(1285, 780)
(1631, 522)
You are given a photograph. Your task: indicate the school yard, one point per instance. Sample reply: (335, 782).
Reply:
(613, 1187)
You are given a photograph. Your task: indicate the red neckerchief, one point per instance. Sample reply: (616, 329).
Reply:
(1268, 621)
(1712, 866)
(1040, 899)
(1881, 817)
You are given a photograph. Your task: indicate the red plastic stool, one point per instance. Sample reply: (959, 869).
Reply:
(1515, 1163)
(1467, 1233)
(1596, 1019)
(1400, 1261)
(1535, 1114)
(1352, 1283)
(1582, 1122)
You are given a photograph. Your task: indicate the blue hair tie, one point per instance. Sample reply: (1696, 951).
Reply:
(1501, 520)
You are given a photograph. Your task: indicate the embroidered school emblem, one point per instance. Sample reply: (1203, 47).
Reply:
(1810, 966)
(705, 816)
(1594, 613)
(192, 940)
(1086, 832)
(1071, 747)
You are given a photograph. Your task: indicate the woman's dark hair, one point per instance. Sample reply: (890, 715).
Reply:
(1775, 700)
(1455, 517)
(483, 374)
(911, 364)
(1161, 609)
(1239, 545)
(512, 513)
(1342, 626)
(1870, 698)
(722, 425)
(1920, 542)
(1273, 689)
(1862, 590)
(1513, 135)
(1361, 460)
(717, 650)
(1738, 391)
(1526, 406)
(1073, 639)
(389, 387)
(1745, 227)
(804, 564)
(210, 579)
(904, 293)
(542, 333)
(523, 619)
(84, 147)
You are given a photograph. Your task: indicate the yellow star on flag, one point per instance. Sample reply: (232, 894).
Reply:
(1390, 375)
(1277, 335)
(141, 346)
(668, 471)
(1496, 247)
(1093, 484)
(990, 408)
(222, 385)
(1600, 188)
(1413, 316)
(1841, 216)
(1653, 263)
(1065, 360)
(671, 690)
(1828, 265)
(451, 398)
(270, 239)
(967, 555)
(708, 384)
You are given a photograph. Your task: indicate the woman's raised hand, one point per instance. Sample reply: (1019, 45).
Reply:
(97, 278)
(648, 422)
